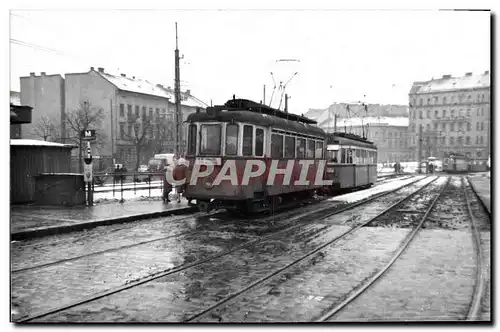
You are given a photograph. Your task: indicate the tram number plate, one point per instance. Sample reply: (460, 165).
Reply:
(208, 161)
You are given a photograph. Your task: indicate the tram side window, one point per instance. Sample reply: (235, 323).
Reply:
(247, 140)
(259, 142)
(301, 147)
(310, 149)
(342, 155)
(358, 159)
(319, 150)
(231, 139)
(276, 146)
(289, 147)
(192, 139)
(349, 156)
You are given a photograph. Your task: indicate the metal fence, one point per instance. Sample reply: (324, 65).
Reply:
(119, 182)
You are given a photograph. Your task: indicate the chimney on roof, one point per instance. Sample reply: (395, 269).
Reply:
(446, 76)
(188, 92)
(100, 69)
(91, 68)
(169, 88)
(32, 74)
(42, 73)
(487, 72)
(468, 74)
(124, 75)
(133, 77)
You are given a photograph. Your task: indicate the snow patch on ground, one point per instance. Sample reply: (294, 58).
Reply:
(386, 186)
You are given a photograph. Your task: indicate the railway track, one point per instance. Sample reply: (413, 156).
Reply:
(299, 221)
(214, 214)
(474, 308)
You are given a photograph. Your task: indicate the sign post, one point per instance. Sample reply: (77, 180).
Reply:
(88, 135)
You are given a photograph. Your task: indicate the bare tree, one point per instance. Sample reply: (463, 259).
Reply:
(45, 129)
(147, 136)
(85, 117)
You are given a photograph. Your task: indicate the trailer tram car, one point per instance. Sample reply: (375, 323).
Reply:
(458, 163)
(241, 131)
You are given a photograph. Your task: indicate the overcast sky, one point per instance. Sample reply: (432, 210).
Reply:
(345, 56)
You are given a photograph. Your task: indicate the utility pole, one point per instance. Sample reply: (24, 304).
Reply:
(335, 122)
(264, 100)
(286, 103)
(177, 92)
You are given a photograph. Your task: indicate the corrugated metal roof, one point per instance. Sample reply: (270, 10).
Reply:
(448, 83)
(34, 142)
(145, 87)
(373, 121)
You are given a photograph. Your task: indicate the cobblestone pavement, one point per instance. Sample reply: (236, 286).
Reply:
(486, 304)
(206, 283)
(432, 280)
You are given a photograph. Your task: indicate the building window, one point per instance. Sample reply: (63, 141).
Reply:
(170, 117)
(452, 113)
(477, 139)
(477, 126)
(122, 130)
(444, 100)
(122, 110)
(444, 126)
(467, 140)
(428, 114)
(421, 101)
(136, 111)
(469, 127)
(421, 114)
(436, 114)
(436, 100)
(435, 126)
(468, 113)
(157, 113)
(482, 126)
(150, 113)
(452, 140)
(428, 101)
(459, 140)
(444, 113)
(129, 111)
(481, 140)
(143, 111)
(428, 127)
(129, 130)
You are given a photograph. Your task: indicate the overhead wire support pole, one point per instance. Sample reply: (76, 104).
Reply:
(177, 93)
(284, 87)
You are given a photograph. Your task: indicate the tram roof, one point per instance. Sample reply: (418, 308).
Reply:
(229, 114)
(347, 138)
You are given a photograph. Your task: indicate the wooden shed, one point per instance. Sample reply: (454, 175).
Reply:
(29, 158)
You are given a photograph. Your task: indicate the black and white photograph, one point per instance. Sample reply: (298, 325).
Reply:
(250, 165)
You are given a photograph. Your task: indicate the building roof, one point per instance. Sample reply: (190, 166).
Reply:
(34, 142)
(449, 83)
(138, 85)
(15, 98)
(373, 121)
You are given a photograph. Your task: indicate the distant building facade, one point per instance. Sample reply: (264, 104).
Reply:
(45, 94)
(125, 102)
(454, 114)
(390, 134)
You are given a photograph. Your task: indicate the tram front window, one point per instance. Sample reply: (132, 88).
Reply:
(332, 156)
(210, 139)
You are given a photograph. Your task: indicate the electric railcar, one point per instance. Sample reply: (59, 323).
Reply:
(241, 136)
(456, 164)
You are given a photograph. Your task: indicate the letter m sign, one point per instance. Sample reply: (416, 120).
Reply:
(87, 134)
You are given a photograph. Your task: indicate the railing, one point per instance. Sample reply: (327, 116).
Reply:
(118, 182)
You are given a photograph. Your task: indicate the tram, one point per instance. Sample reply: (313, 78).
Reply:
(246, 156)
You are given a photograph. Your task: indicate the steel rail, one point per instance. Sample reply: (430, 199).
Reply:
(162, 274)
(374, 278)
(479, 286)
(312, 252)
